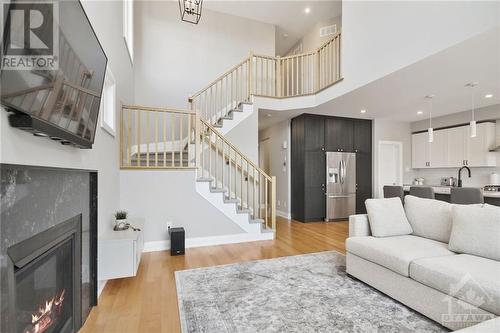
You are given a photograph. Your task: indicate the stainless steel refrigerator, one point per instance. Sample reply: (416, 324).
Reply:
(340, 185)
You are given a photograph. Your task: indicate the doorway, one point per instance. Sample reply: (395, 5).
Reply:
(390, 164)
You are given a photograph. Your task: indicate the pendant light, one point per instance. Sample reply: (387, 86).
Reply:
(473, 127)
(430, 131)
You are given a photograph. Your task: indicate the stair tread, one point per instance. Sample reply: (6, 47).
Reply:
(208, 180)
(217, 190)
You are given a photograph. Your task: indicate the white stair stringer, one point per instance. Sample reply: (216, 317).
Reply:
(230, 209)
(235, 116)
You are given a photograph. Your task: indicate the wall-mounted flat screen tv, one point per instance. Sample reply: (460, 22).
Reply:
(53, 69)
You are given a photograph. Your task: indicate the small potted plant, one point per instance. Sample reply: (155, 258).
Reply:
(121, 220)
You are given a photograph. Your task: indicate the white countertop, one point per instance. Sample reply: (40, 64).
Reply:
(440, 189)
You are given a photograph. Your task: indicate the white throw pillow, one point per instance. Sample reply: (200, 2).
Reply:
(429, 218)
(476, 230)
(387, 217)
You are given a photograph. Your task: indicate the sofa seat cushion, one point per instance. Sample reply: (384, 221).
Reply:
(396, 253)
(472, 279)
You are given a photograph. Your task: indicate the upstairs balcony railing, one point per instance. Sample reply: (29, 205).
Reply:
(269, 76)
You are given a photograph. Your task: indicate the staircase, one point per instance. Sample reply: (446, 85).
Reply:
(164, 138)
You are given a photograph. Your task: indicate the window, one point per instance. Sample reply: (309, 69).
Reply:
(108, 104)
(128, 27)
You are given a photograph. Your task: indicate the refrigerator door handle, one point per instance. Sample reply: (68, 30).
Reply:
(342, 171)
(333, 196)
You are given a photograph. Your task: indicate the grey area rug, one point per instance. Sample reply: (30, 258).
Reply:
(305, 293)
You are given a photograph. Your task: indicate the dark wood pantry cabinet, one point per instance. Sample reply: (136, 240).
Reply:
(311, 137)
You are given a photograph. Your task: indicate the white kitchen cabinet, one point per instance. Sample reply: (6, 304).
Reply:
(439, 150)
(457, 147)
(453, 147)
(420, 151)
(478, 154)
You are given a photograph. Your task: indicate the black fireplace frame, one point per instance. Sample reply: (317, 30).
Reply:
(34, 248)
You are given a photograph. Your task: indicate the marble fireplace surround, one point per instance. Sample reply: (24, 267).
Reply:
(34, 199)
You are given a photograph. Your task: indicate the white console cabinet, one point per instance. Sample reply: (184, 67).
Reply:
(119, 253)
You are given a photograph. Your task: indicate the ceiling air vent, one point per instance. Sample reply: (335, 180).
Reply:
(329, 30)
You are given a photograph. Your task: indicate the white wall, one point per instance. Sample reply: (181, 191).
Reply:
(273, 137)
(487, 113)
(18, 147)
(158, 196)
(245, 136)
(380, 37)
(311, 39)
(174, 59)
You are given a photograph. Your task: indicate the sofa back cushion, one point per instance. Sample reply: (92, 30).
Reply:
(476, 230)
(387, 217)
(429, 218)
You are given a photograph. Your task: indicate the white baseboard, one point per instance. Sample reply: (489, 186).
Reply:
(209, 241)
(100, 287)
(282, 214)
(156, 246)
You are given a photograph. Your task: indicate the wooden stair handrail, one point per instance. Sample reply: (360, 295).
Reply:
(227, 142)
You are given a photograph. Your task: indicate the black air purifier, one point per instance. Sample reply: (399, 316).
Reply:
(177, 241)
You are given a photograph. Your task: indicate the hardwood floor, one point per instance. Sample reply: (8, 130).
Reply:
(148, 302)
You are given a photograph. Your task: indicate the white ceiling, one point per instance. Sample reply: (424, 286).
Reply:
(288, 16)
(400, 95)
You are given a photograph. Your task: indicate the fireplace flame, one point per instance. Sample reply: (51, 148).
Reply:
(44, 317)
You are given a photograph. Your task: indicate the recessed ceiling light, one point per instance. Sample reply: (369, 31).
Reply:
(307, 10)
(269, 115)
(488, 96)
(420, 112)
(363, 111)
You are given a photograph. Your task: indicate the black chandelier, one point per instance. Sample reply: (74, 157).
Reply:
(190, 10)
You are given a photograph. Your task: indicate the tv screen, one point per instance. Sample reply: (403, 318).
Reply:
(53, 69)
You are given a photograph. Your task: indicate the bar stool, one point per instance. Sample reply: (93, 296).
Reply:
(426, 192)
(391, 191)
(466, 196)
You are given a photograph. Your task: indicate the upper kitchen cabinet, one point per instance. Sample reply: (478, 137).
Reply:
(421, 151)
(478, 154)
(453, 147)
(362, 136)
(314, 138)
(457, 146)
(439, 150)
(339, 134)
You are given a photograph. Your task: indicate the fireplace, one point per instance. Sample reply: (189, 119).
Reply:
(48, 248)
(46, 269)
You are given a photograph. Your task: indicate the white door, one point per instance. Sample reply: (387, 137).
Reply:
(420, 151)
(390, 165)
(439, 150)
(264, 155)
(457, 150)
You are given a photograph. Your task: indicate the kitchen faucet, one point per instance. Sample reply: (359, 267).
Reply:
(460, 175)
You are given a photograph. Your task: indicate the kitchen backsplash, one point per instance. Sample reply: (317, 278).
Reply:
(480, 176)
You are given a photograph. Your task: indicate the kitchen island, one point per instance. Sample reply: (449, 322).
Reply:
(443, 193)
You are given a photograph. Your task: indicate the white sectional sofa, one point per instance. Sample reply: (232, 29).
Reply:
(442, 260)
